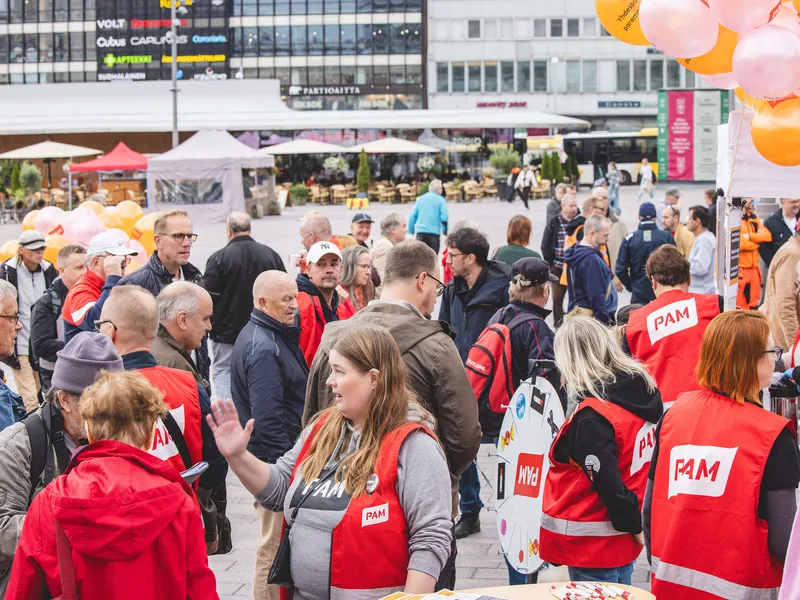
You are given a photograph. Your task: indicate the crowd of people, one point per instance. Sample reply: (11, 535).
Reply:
(354, 415)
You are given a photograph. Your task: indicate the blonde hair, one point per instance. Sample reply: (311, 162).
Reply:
(160, 224)
(366, 347)
(123, 407)
(590, 359)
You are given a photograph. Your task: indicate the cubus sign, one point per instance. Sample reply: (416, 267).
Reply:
(528, 481)
(672, 318)
(700, 470)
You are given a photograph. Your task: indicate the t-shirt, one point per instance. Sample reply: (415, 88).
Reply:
(791, 223)
(513, 252)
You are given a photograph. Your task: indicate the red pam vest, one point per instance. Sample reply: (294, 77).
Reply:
(312, 322)
(181, 396)
(707, 540)
(369, 549)
(575, 528)
(666, 335)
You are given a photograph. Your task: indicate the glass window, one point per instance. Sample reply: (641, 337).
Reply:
(573, 27)
(414, 41)
(673, 74)
(490, 76)
(91, 45)
(250, 8)
(523, 29)
(17, 78)
(75, 13)
(316, 75)
(507, 76)
(540, 28)
(656, 74)
(236, 9)
(413, 5)
(298, 7)
(397, 6)
(380, 6)
(16, 52)
(45, 10)
(348, 33)
(397, 75)
(364, 6)
(349, 75)
(61, 77)
(689, 78)
(282, 43)
(590, 76)
(314, 8)
(540, 76)
(62, 10)
(282, 75)
(76, 49)
(556, 27)
(251, 73)
(380, 39)
(457, 29)
(506, 29)
(380, 75)
(32, 47)
(266, 73)
(604, 31)
(590, 27)
(639, 75)
(363, 75)
(3, 11)
(331, 39)
(414, 74)
(397, 38)
(282, 7)
(61, 44)
(573, 76)
(474, 77)
(524, 76)
(347, 7)
(364, 39)
(490, 29)
(16, 11)
(474, 29)
(298, 40)
(3, 49)
(265, 41)
(315, 42)
(250, 41)
(299, 76)
(333, 75)
(266, 8)
(623, 76)
(30, 12)
(458, 77)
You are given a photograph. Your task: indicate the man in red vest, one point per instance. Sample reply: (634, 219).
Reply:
(182, 438)
(666, 333)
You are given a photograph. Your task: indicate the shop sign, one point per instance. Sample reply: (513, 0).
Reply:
(154, 23)
(324, 90)
(112, 60)
(168, 4)
(152, 40)
(619, 104)
(133, 76)
(467, 141)
(195, 58)
(210, 75)
(111, 23)
(501, 105)
(209, 39)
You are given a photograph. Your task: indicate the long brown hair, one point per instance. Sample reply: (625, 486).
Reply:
(366, 347)
(729, 354)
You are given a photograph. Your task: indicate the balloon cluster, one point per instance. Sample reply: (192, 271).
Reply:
(61, 228)
(750, 46)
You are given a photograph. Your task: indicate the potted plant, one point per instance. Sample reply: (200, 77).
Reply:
(30, 179)
(362, 178)
(558, 169)
(299, 194)
(503, 161)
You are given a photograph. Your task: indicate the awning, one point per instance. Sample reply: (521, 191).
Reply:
(393, 145)
(120, 158)
(49, 150)
(301, 146)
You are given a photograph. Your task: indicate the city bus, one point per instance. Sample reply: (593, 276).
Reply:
(593, 151)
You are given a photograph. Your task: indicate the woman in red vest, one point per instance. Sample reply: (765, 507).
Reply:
(365, 490)
(591, 518)
(721, 491)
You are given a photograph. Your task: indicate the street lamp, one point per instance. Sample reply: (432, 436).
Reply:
(174, 10)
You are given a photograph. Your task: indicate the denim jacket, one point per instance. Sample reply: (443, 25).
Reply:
(12, 408)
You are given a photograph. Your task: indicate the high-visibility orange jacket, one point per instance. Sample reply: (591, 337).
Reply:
(748, 248)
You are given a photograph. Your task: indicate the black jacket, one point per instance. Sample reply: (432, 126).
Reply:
(636, 248)
(588, 281)
(45, 342)
(468, 310)
(268, 384)
(592, 434)
(550, 237)
(154, 277)
(229, 278)
(8, 271)
(780, 235)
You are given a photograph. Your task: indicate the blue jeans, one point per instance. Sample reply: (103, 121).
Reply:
(221, 369)
(613, 199)
(469, 490)
(643, 190)
(621, 574)
(517, 578)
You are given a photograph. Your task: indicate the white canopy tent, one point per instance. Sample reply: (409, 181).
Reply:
(301, 146)
(49, 150)
(393, 145)
(203, 175)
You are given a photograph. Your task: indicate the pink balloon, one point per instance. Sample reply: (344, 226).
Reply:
(48, 220)
(136, 245)
(766, 62)
(723, 81)
(788, 19)
(744, 15)
(684, 28)
(83, 226)
(119, 233)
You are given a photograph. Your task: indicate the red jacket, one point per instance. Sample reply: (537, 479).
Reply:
(82, 297)
(314, 313)
(133, 526)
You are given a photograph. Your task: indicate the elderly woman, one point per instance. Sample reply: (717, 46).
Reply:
(356, 277)
(119, 523)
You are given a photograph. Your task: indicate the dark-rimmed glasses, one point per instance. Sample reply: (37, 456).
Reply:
(99, 324)
(179, 237)
(13, 318)
(439, 285)
(777, 351)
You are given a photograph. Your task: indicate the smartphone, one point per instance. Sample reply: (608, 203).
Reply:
(191, 474)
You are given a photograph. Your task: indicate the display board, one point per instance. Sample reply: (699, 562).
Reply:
(532, 421)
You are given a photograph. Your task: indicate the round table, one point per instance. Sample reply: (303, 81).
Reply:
(541, 591)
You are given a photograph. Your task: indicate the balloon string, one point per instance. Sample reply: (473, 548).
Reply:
(735, 154)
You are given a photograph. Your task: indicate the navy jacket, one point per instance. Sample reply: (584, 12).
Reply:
(468, 310)
(780, 235)
(588, 280)
(154, 277)
(632, 258)
(217, 466)
(268, 384)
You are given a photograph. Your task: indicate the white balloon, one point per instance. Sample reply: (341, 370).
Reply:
(766, 62)
(684, 28)
(744, 15)
(723, 81)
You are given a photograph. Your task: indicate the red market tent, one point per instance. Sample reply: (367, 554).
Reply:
(120, 158)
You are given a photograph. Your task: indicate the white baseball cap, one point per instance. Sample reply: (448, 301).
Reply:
(320, 249)
(108, 243)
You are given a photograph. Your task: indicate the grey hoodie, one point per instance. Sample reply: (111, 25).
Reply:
(425, 499)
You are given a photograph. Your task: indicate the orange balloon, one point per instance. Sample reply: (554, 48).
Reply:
(621, 19)
(775, 132)
(143, 231)
(54, 243)
(9, 250)
(95, 206)
(27, 222)
(129, 212)
(111, 220)
(796, 4)
(748, 100)
(719, 59)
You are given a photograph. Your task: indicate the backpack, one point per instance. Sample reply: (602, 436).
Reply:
(489, 369)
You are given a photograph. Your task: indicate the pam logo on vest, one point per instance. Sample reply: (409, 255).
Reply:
(372, 515)
(700, 470)
(643, 447)
(671, 319)
(163, 447)
(529, 475)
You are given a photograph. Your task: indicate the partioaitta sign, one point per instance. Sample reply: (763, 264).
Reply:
(324, 90)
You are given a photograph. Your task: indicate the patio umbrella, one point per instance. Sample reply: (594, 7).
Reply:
(393, 145)
(301, 146)
(48, 151)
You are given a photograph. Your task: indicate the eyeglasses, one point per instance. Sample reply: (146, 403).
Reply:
(13, 318)
(439, 284)
(179, 237)
(99, 324)
(777, 351)
(454, 254)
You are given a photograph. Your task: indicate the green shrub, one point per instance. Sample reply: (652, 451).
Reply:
(423, 188)
(298, 193)
(505, 160)
(362, 179)
(15, 185)
(30, 178)
(558, 168)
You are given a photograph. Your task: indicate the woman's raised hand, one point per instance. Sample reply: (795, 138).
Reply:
(229, 434)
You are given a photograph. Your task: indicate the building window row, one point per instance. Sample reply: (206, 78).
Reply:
(370, 76)
(652, 75)
(337, 39)
(522, 29)
(74, 77)
(48, 47)
(492, 76)
(253, 8)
